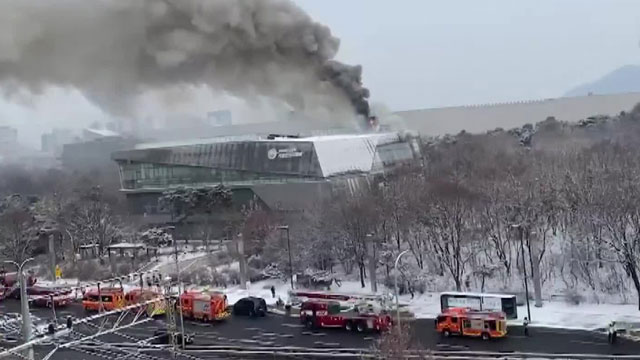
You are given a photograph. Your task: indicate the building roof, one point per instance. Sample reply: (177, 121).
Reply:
(314, 157)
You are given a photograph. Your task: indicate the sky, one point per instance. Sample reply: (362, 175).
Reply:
(427, 53)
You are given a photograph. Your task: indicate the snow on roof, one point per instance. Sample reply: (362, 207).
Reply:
(126, 246)
(102, 132)
(456, 293)
(203, 141)
(339, 154)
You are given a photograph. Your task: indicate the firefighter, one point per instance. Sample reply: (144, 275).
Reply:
(612, 332)
(525, 326)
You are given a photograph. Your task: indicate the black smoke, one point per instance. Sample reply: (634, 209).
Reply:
(114, 50)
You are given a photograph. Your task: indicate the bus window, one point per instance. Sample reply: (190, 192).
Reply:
(107, 298)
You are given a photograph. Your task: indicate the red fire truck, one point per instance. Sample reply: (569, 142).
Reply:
(329, 314)
(474, 323)
(204, 306)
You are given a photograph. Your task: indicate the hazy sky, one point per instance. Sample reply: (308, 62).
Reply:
(426, 53)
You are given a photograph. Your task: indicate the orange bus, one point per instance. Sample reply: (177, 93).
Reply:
(110, 298)
(474, 323)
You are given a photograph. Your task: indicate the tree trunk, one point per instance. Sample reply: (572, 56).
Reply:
(372, 267)
(361, 267)
(535, 272)
(633, 272)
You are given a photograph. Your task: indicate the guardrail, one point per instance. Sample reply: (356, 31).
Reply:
(273, 352)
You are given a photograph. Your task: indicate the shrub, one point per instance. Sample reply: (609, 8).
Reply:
(572, 297)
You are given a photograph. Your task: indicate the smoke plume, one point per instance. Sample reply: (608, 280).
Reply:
(113, 51)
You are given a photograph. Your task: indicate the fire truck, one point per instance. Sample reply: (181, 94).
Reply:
(474, 323)
(104, 299)
(140, 295)
(204, 306)
(360, 317)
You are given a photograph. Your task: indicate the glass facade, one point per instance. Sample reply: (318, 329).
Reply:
(152, 176)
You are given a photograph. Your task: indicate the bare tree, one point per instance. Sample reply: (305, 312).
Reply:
(18, 228)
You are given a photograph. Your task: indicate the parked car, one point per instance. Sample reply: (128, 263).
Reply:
(161, 336)
(250, 306)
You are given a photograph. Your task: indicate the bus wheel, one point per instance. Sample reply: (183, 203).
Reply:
(348, 326)
(446, 333)
(486, 336)
(361, 326)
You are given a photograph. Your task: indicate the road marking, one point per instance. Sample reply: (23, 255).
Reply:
(293, 325)
(588, 342)
(331, 344)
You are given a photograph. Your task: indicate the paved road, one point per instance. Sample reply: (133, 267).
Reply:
(278, 330)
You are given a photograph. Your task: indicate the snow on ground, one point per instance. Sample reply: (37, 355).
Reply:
(553, 313)
(166, 263)
(427, 305)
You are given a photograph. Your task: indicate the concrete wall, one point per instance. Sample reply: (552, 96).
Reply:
(451, 120)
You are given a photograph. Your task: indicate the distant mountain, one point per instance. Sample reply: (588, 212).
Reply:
(622, 80)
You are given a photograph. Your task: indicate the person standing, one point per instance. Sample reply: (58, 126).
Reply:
(612, 332)
(273, 291)
(525, 325)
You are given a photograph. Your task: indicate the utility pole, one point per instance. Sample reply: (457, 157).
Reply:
(180, 286)
(171, 317)
(24, 304)
(286, 227)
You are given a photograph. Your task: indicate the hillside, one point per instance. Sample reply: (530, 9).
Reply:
(622, 80)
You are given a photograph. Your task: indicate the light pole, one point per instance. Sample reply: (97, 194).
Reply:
(175, 248)
(24, 304)
(286, 227)
(395, 280)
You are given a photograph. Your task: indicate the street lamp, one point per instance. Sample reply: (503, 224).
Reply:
(524, 268)
(286, 227)
(395, 279)
(24, 304)
(180, 285)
